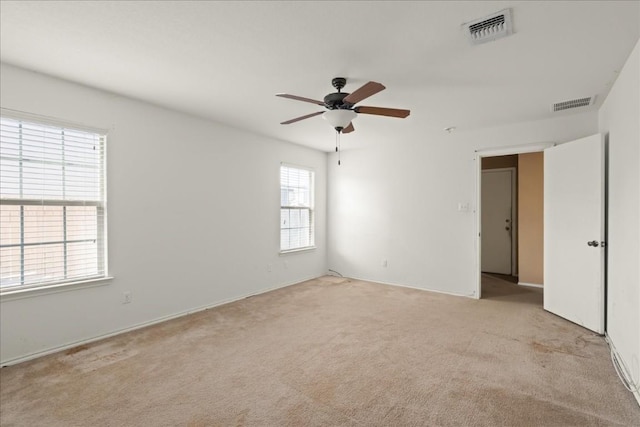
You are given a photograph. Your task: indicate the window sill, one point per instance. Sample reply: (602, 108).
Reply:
(297, 250)
(15, 294)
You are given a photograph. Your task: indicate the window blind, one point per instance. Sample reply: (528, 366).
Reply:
(296, 208)
(52, 204)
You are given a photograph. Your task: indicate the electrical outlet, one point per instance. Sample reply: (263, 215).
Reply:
(269, 268)
(286, 265)
(126, 297)
(384, 263)
(463, 207)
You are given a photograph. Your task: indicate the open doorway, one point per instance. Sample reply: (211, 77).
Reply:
(510, 222)
(499, 219)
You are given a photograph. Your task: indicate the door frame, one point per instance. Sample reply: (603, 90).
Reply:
(492, 152)
(514, 216)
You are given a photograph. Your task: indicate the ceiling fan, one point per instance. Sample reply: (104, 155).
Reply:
(340, 106)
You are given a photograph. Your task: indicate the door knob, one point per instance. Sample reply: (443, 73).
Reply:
(593, 243)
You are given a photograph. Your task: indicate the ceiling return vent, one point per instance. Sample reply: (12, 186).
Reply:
(574, 103)
(489, 28)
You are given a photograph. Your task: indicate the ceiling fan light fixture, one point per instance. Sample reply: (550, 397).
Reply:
(339, 118)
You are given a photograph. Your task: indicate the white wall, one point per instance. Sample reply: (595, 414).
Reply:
(620, 119)
(193, 214)
(398, 202)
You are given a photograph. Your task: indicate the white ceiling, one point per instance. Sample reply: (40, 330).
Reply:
(226, 60)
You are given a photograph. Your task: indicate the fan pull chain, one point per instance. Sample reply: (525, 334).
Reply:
(338, 146)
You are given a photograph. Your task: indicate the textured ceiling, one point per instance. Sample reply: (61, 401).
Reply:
(226, 60)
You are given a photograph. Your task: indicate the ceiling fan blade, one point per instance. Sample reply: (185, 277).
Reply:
(363, 92)
(299, 98)
(297, 119)
(379, 111)
(349, 128)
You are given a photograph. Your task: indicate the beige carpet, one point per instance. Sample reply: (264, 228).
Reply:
(334, 352)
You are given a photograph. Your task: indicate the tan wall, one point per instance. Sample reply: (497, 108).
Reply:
(530, 216)
(498, 162)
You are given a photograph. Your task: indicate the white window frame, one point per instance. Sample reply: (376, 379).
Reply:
(101, 212)
(310, 209)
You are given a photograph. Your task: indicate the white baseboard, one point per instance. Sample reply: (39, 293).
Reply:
(410, 287)
(67, 346)
(531, 285)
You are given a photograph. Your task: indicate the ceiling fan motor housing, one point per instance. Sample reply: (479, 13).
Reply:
(334, 100)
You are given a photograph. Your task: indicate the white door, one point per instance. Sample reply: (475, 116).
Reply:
(574, 231)
(496, 221)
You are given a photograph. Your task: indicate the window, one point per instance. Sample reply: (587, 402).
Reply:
(52, 205)
(296, 208)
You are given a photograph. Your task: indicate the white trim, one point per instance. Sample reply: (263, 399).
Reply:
(39, 290)
(410, 287)
(295, 166)
(531, 285)
(48, 120)
(515, 149)
(292, 251)
(491, 152)
(52, 350)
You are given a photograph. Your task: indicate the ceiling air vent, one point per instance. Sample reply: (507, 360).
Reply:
(574, 103)
(489, 28)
